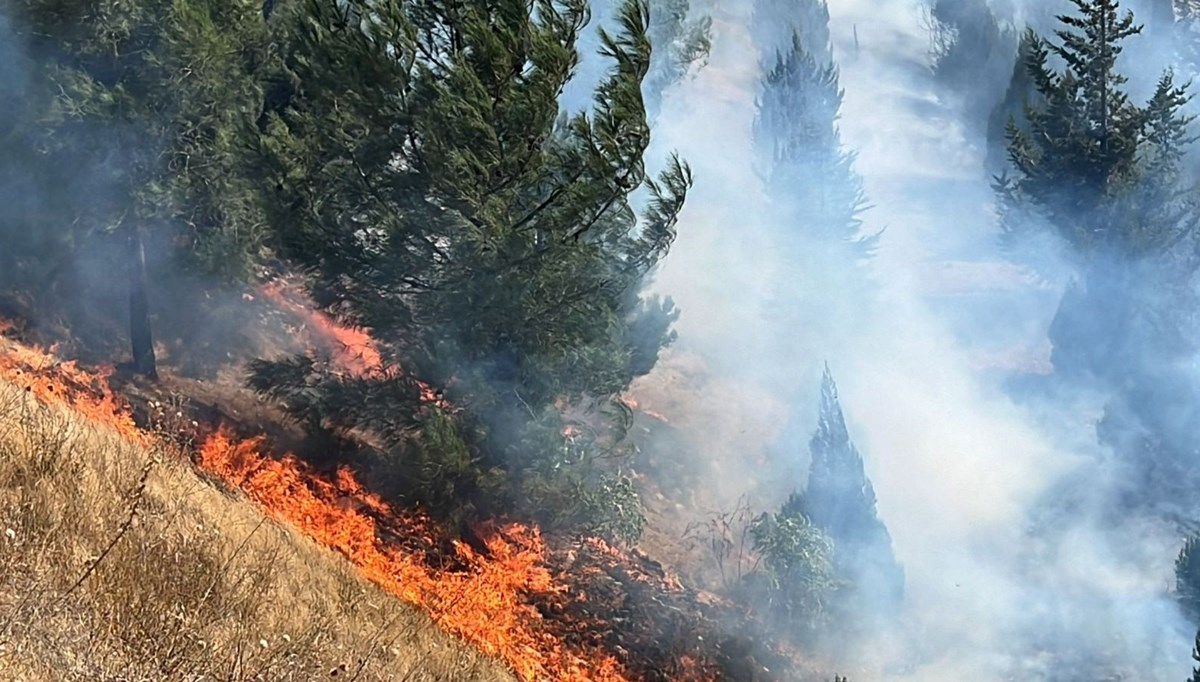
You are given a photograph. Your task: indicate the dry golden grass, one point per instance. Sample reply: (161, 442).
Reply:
(121, 564)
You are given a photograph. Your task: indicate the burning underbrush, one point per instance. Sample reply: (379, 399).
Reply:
(549, 608)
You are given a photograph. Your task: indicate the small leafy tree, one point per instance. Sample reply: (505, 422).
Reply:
(797, 577)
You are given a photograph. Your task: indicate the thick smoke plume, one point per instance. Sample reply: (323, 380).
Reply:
(994, 493)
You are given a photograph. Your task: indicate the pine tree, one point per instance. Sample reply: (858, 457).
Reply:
(679, 44)
(135, 124)
(429, 185)
(1102, 175)
(840, 500)
(1082, 144)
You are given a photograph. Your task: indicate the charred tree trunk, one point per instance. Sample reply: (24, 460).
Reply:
(140, 335)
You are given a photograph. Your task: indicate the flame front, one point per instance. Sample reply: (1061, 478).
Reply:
(487, 600)
(488, 603)
(351, 350)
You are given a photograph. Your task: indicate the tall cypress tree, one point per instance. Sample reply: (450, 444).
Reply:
(972, 51)
(840, 500)
(810, 176)
(1187, 577)
(776, 24)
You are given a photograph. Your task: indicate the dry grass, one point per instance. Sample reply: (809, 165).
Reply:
(121, 564)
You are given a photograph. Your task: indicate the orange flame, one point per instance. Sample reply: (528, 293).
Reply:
(486, 600)
(64, 383)
(487, 604)
(352, 349)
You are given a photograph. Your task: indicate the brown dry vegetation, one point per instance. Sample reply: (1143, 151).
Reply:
(117, 563)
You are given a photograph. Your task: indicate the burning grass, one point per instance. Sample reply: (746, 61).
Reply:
(562, 610)
(486, 600)
(118, 562)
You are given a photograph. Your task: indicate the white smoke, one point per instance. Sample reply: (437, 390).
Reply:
(962, 471)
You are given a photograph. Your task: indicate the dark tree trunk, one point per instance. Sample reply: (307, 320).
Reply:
(140, 334)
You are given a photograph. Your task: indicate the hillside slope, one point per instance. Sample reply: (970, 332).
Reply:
(118, 562)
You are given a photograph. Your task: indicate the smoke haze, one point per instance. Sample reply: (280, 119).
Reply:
(1015, 570)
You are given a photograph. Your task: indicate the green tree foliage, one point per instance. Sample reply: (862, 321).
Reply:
(970, 51)
(777, 25)
(840, 500)
(680, 43)
(1187, 577)
(796, 580)
(811, 178)
(128, 143)
(1009, 112)
(424, 178)
(1102, 175)
(1088, 156)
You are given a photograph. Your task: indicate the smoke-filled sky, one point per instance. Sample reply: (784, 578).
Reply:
(1012, 573)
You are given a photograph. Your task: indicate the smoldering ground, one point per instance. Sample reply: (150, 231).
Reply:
(997, 496)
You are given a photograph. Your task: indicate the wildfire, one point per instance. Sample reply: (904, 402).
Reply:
(353, 350)
(489, 603)
(634, 405)
(487, 599)
(53, 381)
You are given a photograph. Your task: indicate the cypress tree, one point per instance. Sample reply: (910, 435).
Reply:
(1187, 577)
(819, 198)
(972, 50)
(776, 25)
(840, 500)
